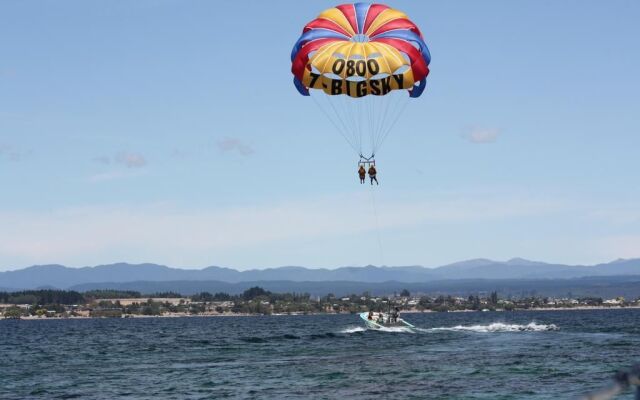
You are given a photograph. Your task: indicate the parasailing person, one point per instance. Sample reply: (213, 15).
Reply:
(362, 173)
(372, 174)
(361, 63)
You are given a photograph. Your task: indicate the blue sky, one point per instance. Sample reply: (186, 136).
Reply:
(170, 132)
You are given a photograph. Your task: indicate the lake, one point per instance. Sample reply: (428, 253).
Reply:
(481, 355)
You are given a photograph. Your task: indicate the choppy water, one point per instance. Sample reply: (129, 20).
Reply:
(520, 355)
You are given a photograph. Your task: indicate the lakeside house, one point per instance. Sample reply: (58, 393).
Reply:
(273, 303)
(130, 301)
(4, 306)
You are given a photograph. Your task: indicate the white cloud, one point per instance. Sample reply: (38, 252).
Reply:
(180, 153)
(10, 153)
(127, 159)
(131, 160)
(481, 135)
(122, 165)
(229, 144)
(168, 233)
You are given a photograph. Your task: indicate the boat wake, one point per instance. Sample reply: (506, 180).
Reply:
(393, 329)
(353, 329)
(496, 327)
(396, 329)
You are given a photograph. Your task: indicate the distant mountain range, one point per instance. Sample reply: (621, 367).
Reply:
(517, 275)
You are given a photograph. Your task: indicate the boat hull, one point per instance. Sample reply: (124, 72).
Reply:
(373, 324)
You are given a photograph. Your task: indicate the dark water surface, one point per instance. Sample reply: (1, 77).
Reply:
(519, 355)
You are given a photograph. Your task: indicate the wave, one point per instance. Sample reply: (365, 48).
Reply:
(496, 327)
(254, 339)
(322, 335)
(353, 329)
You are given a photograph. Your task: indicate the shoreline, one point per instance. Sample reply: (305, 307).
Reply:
(174, 315)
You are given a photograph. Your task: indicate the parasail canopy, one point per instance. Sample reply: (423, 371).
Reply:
(360, 58)
(360, 50)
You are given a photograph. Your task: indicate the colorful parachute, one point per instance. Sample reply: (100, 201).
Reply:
(361, 49)
(360, 58)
